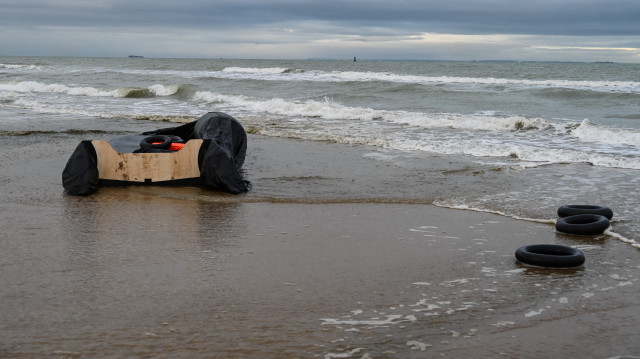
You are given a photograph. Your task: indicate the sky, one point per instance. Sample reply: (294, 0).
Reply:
(532, 30)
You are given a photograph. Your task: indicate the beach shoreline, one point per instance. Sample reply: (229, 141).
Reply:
(170, 272)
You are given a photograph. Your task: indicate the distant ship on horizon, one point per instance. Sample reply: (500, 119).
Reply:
(136, 57)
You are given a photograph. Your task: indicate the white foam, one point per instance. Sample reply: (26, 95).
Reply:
(479, 122)
(479, 135)
(283, 73)
(162, 90)
(55, 109)
(19, 66)
(33, 86)
(346, 354)
(622, 238)
(588, 131)
(417, 345)
(333, 121)
(256, 70)
(515, 140)
(368, 76)
(503, 323)
(533, 313)
(389, 319)
(330, 110)
(423, 302)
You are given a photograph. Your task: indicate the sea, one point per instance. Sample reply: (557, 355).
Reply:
(548, 133)
(387, 200)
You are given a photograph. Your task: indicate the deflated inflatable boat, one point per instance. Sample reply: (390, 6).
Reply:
(209, 151)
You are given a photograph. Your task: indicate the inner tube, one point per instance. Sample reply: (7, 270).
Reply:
(586, 224)
(550, 255)
(573, 209)
(156, 141)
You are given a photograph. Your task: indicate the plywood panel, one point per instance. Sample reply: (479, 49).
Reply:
(147, 167)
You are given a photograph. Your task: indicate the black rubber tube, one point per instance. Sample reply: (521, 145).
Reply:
(148, 142)
(550, 255)
(585, 224)
(573, 209)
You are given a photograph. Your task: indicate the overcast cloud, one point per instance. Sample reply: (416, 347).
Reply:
(566, 30)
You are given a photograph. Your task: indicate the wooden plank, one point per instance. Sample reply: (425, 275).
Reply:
(147, 167)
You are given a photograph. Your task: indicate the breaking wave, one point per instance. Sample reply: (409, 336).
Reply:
(126, 92)
(551, 87)
(34, 86)
(547, 87)
(602, 86)
(259, 70)
(500, 135)
(136, 93)
(591, 132)
(330, 110)
(483, 134)
(480, 135)
(156, 91)
(19, 67)
(288, 74)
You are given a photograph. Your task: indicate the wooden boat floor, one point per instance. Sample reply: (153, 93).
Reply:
(147, 167)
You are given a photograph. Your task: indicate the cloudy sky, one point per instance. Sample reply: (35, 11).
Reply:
(564, 30)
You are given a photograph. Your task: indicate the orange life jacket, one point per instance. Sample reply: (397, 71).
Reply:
(175, 146)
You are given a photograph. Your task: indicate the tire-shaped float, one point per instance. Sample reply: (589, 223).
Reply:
(573, 209)
(550, 255)
(156, 141)
(585, 224)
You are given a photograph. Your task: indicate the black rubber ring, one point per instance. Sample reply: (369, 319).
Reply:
(550, 255)
(573, 209)
(148, 142)
(585, 224)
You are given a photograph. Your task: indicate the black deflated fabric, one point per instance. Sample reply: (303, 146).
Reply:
(80, 175)
(223, 159)
(220, 159)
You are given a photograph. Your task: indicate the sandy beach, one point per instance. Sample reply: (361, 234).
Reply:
(184, 272)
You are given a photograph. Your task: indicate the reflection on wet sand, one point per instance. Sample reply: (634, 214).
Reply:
(187, 272)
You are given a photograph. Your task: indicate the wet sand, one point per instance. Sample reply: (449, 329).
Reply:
(156, 272)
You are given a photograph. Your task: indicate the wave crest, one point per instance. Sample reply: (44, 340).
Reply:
(549, 87)
(136, 93)
(34, 86)
(126, 92)
(591, 132)
(19, 67)
(330, 110)
(258, 70)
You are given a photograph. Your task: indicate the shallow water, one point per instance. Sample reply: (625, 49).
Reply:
(121, 275)
(333, 254)
(341, 249)
(519, 139)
